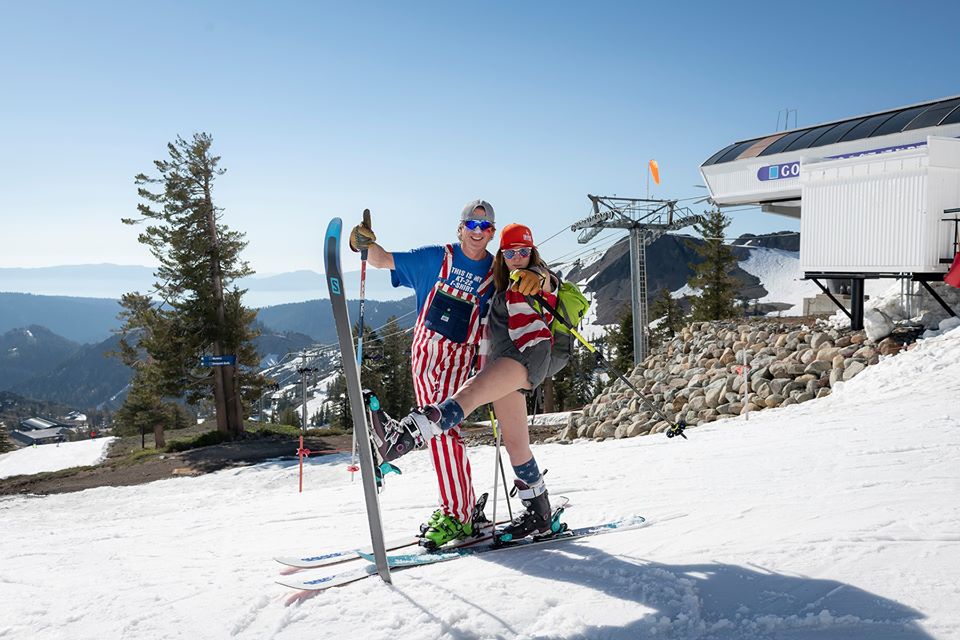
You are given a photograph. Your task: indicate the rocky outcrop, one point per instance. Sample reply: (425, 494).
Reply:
(700, 376)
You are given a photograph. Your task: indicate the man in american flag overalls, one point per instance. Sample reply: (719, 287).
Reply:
(453, 285)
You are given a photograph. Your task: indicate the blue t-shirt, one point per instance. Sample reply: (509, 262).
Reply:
(420, 269)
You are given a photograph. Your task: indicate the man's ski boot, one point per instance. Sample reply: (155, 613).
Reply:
(412, 432)
(435, 532)
(444, 528)
(538, 520)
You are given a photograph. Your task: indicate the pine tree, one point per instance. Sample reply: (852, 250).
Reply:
(5, 444)
(398, 397)
(199, 260)
(669, 317)
(290, 416)
(144, 409)
(340, 415)
(577, 383)
(712, 275)
(620, 339)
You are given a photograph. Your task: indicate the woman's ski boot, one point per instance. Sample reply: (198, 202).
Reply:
(538, 520)
(412, 432)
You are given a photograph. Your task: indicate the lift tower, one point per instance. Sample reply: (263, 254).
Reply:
(646, 220)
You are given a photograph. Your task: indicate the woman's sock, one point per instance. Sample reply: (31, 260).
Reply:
(451, 414)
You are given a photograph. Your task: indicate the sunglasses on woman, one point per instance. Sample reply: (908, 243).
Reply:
(473, 225)
(509, 253)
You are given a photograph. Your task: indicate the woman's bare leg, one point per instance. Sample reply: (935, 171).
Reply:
(496, 380)
(511, 413)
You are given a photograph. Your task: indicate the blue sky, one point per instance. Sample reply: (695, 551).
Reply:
(411, 109)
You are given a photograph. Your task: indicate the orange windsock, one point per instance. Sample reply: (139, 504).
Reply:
(655, 171)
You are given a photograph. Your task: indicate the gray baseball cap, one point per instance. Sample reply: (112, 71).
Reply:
(469, 209)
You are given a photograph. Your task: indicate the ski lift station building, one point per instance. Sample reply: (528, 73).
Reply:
(877, 195)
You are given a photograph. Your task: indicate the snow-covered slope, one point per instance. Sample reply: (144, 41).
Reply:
(837, 518)
(53, 457)
(780, 273)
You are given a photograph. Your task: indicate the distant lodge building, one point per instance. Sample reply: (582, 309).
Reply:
(40, 431)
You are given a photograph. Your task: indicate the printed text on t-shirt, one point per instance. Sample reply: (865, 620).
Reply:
(464, 280)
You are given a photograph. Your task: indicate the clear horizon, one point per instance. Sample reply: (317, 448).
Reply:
(320, 110)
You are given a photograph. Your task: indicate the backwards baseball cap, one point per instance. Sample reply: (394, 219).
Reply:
(470, 211)
(516, 235)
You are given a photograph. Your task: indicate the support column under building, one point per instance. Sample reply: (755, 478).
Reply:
(856, 304)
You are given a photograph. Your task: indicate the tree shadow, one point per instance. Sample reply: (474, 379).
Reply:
(716, 601)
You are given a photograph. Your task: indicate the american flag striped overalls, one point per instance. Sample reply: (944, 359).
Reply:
(440, 367)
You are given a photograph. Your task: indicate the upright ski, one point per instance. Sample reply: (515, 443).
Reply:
(357, 406)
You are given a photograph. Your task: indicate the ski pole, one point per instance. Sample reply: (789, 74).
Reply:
(676, 428)
(498, 463)
(363, 290)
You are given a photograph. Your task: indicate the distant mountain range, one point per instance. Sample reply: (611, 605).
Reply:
(112, 281)
(82, 320)
(30, 351)
(37, 363)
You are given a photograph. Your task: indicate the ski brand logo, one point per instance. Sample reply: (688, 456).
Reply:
(779, 171)
(335, 285)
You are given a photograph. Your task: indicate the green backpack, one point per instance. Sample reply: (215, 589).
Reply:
(572, 304)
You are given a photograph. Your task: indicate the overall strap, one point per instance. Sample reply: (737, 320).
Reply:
(447, 262)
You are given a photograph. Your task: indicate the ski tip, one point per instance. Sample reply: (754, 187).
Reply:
(334, 227)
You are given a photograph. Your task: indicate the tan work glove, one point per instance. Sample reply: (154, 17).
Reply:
(527, 281)
(362, 235)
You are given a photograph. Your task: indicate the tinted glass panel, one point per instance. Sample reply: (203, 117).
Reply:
(712, 159)
(781, 144)
(866, 128)
(898, 121)
(834, 134)
(953, 117)
(933, 115)
(736, 151)
(809, 138)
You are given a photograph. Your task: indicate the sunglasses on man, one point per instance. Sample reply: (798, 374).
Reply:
(482, 225)
(522, 252)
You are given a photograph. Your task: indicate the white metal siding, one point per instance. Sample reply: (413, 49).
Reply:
(879, 213)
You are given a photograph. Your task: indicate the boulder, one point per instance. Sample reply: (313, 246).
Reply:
(606, 430)
(818, 340)
(819, 366)
(777, 384)
(774, 400)
(853, 369)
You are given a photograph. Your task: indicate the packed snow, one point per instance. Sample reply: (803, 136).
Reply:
(53, 457)
(779, 272)
(836, 518)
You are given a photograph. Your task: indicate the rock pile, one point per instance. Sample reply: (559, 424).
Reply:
(699, 376)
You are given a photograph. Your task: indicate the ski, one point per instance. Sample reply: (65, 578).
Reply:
(406, 561)
(416, 559)
(351, 372)
(345, 555)
(327, 582)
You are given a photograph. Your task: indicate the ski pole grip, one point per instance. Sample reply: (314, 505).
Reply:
(368, 225)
